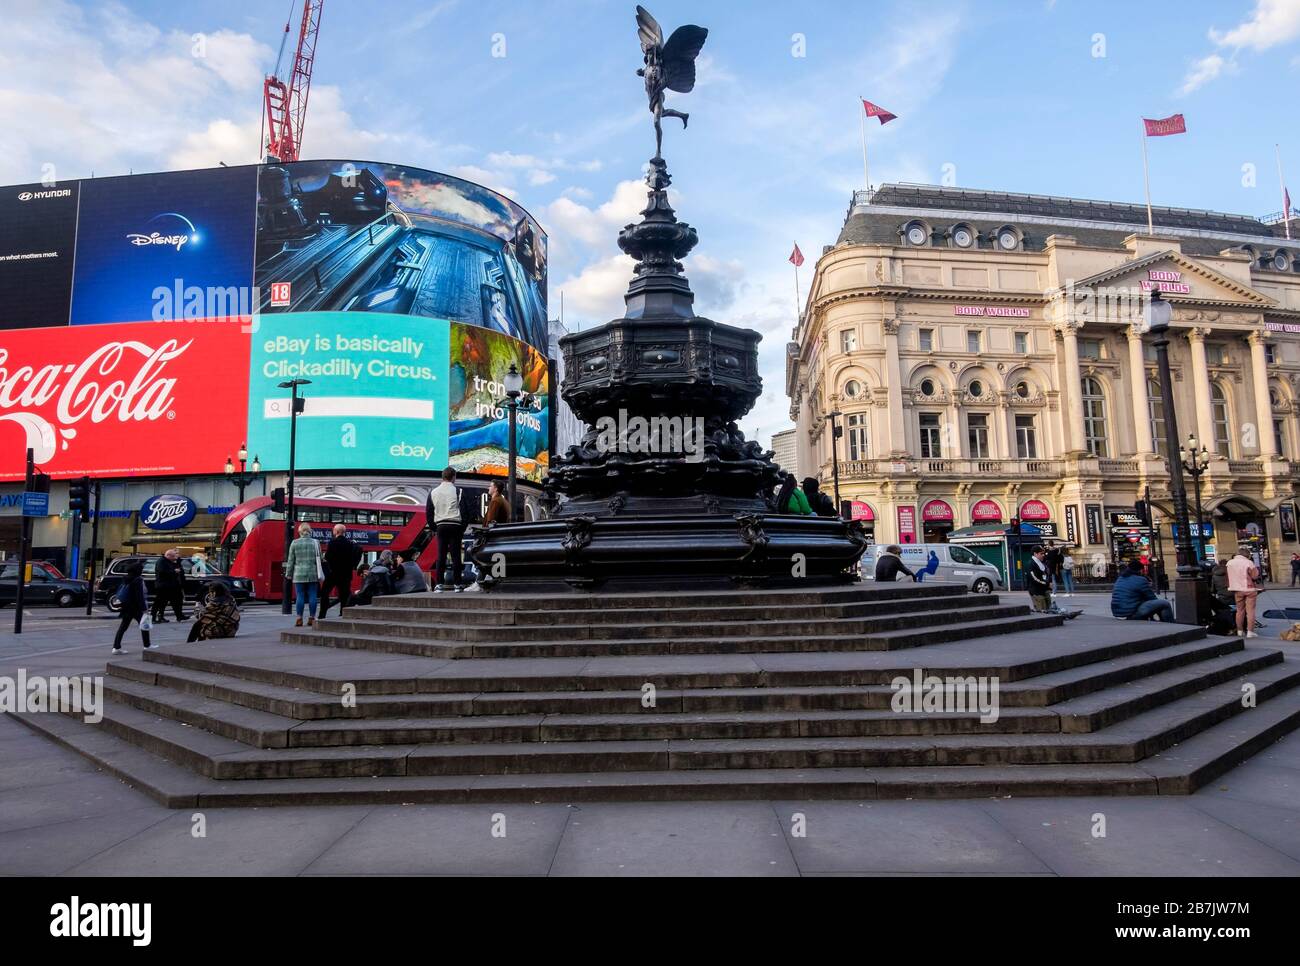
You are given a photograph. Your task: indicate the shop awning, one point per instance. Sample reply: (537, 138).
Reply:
(987, 530)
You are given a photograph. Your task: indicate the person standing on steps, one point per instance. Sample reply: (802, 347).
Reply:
(135, 604)
(498, 510)
(1242, 574)
(341, 558)
(442, 511)
(168, 586)
(303, 565)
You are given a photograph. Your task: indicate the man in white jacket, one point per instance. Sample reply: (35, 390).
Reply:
(442, 510)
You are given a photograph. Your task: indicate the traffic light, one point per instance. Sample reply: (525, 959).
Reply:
(1015, 525)
(277, 500)
(79, 498)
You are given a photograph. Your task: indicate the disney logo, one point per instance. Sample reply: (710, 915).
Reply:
(157, 238)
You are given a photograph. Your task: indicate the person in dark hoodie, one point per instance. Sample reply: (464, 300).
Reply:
(135, 603)
(890, 564)
(1038, 580)
(377, 579)
(819, 502)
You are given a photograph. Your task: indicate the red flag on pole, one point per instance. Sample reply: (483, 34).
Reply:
(796, 256)
(1163, 126)
(874, 111)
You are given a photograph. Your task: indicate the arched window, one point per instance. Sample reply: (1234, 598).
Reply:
(1156, 412)
(1219, 416)
(856, 426)
(1094, 418)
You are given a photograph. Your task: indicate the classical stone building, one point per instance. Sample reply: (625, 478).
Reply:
(985, 353)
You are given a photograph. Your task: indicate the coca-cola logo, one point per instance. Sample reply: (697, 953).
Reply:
(120, 380)
(167, 511)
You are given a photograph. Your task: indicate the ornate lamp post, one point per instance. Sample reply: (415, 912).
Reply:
(1196, 460)
(298, 404)
(241, 478)
(836, 433)
(1190, 600)
(514, 383)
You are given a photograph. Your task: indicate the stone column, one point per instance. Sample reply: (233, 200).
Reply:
(1141, 405)
(1263, 408)
(1201, 389)
(894, 376)
(1073, 387)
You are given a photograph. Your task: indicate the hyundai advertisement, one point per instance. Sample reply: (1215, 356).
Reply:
(179, 302)
(38, 229)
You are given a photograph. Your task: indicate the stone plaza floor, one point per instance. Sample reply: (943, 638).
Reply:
(60, 815)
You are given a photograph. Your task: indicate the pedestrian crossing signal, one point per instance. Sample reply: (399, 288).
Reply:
(79, 498)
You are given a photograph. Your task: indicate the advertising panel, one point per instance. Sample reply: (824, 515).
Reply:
(480, 423)
(38, 229)
(123, 399)
(377, 398)
(141, 238)
(371, 237)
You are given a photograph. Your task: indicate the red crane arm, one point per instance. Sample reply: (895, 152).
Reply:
(285, 104)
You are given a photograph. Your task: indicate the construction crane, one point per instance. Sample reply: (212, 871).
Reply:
(284, 95)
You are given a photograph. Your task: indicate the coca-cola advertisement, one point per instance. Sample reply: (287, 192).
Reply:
(123, 400)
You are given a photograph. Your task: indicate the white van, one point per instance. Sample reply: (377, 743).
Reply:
(956, 565)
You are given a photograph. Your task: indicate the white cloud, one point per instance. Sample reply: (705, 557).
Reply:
(1272, 22)
(1202, 72)
(598, 226)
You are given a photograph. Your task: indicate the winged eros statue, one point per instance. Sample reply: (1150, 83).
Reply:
(668, 66)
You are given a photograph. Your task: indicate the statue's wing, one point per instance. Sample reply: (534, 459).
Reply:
(679, 57)
(648, 29)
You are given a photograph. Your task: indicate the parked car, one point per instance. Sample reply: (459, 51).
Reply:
(47, 586)
(240, 588)
(956, 565)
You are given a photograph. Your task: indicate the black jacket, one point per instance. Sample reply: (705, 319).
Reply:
(135, 601)
(820, 503)
(167, 574)
(888, 567)
(341, 556)
(1038, 578)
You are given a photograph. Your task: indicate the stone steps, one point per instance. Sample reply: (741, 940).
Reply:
(396, 609)
(893, 633)
(1140, 736)
(306, 705)
(756, 694)
(1178, 771)
(268, 730)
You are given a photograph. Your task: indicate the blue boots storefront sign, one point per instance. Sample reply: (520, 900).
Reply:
(167, 511)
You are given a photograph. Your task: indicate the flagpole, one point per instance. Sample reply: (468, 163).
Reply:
(1146, 180)
(1281, 183)
(798, 303)
(862, 116)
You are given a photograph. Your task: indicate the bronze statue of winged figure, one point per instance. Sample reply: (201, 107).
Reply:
(668, 66)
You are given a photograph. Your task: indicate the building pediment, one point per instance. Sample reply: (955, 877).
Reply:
(1179, 278)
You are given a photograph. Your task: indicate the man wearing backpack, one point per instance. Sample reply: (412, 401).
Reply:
(442, 512)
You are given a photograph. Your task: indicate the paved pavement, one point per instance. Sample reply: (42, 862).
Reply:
(60, 815)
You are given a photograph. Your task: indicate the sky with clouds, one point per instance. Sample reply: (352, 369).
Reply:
(1017, 95)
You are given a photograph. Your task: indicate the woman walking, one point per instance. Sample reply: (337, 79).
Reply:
(135, 604)
(303, 566)
(1067, 572)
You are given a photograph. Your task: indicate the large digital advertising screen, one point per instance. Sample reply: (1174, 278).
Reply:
(368, 237)
(173, 305)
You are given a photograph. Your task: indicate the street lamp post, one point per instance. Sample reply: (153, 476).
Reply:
(241, 478)
(514, 384)
(1196, 460)
(1190, 603)
(836, 433)
(298, 403)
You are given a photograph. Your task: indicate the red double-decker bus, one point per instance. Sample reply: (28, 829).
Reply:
(252, 541)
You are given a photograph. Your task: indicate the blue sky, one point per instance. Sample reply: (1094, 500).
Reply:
(1011, 94)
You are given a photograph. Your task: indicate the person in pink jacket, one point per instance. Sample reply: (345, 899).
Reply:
(1242, 574)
